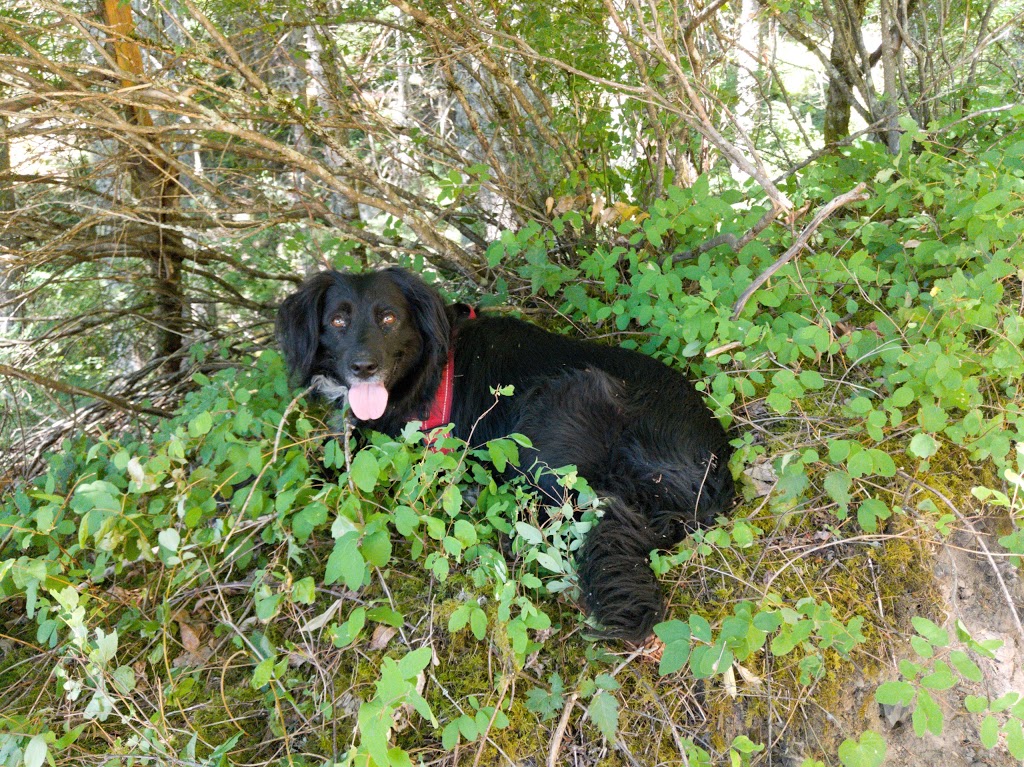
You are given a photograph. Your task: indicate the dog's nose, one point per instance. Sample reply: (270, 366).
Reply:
(363, 367)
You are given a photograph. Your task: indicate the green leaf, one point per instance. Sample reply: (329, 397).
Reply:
(106, 647)
(742, 534)
(365, 471)
(70, 736)
(1004, 702)
(266, 606)
(940, 679)
(263, 673)
(606, 682)
(374, 721)
(451, 500)
(467, 727)
(304, 591)
(902, 397)
(450, 735)
(1014, 738)
(932, 418)
(200, 425)
(36, 751)
(544, 703)
(305, 521)
(991, 200)
(745, 745)
(968, 669)
(923, 446)
(459, 618)
(376, 548)
(989, 731)
(922, 647)
(700, 628)
(837, 485)
(604, 712)
(465, 532)
(498, 456)
(839, 450)
(975, 704)
(938, 637)
(170, 539)
(859, 406)
(406, 520)
(413, 663)
(478, 623)
(346, 563)
(706, 662)
(869, 751)
(927, 715)
(860, 464)
(387, 616)
(676, 636)
(895, 693)
(349, 631)
(869, 512)
(883, 464)
(529, 533)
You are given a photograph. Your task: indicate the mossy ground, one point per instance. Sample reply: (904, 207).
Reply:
(194, 662)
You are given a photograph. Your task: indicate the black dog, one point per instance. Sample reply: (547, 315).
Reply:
(637, 430)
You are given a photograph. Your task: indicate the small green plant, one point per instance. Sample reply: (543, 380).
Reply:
(934, 672)
(396, 687)
(809, 625)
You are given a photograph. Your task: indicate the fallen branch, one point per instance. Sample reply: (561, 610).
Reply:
(65, 388)
(854, 195)
(556, 738)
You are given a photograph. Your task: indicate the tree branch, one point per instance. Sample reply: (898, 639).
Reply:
(854, 195)
(71, 389)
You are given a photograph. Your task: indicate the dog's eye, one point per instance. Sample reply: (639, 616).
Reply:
(387, 319)
(338, 321)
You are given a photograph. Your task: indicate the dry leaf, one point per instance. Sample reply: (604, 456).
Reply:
(729, 681)
(564, 204)
(763, 476)
(381, 636)
(190, 637)
(748, 676)
(317, 623)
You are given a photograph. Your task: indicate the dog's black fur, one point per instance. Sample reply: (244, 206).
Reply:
(636, 429)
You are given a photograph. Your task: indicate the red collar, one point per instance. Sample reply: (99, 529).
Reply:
(441, 409)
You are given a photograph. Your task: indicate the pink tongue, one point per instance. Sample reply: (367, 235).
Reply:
(368, 400)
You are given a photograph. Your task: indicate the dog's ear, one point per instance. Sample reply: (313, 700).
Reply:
(428, 309)
(298, 325)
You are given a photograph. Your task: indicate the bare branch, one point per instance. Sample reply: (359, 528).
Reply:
(854, 195)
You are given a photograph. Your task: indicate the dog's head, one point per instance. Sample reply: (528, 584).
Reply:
(383, 335)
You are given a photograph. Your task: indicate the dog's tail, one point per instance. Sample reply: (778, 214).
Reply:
(617, 586)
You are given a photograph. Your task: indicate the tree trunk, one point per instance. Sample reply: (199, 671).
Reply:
(6, 205)
(847, 18)
(748, 37)
(157, 191)
(890, 100)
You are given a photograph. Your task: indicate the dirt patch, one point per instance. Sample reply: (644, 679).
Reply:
(970, 594)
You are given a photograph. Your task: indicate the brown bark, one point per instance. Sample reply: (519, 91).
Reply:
(847, 18)
(157, 189)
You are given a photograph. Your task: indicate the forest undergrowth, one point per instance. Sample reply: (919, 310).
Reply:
(238, 583)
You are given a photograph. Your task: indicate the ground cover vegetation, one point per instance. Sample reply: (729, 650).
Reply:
(813, 208)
